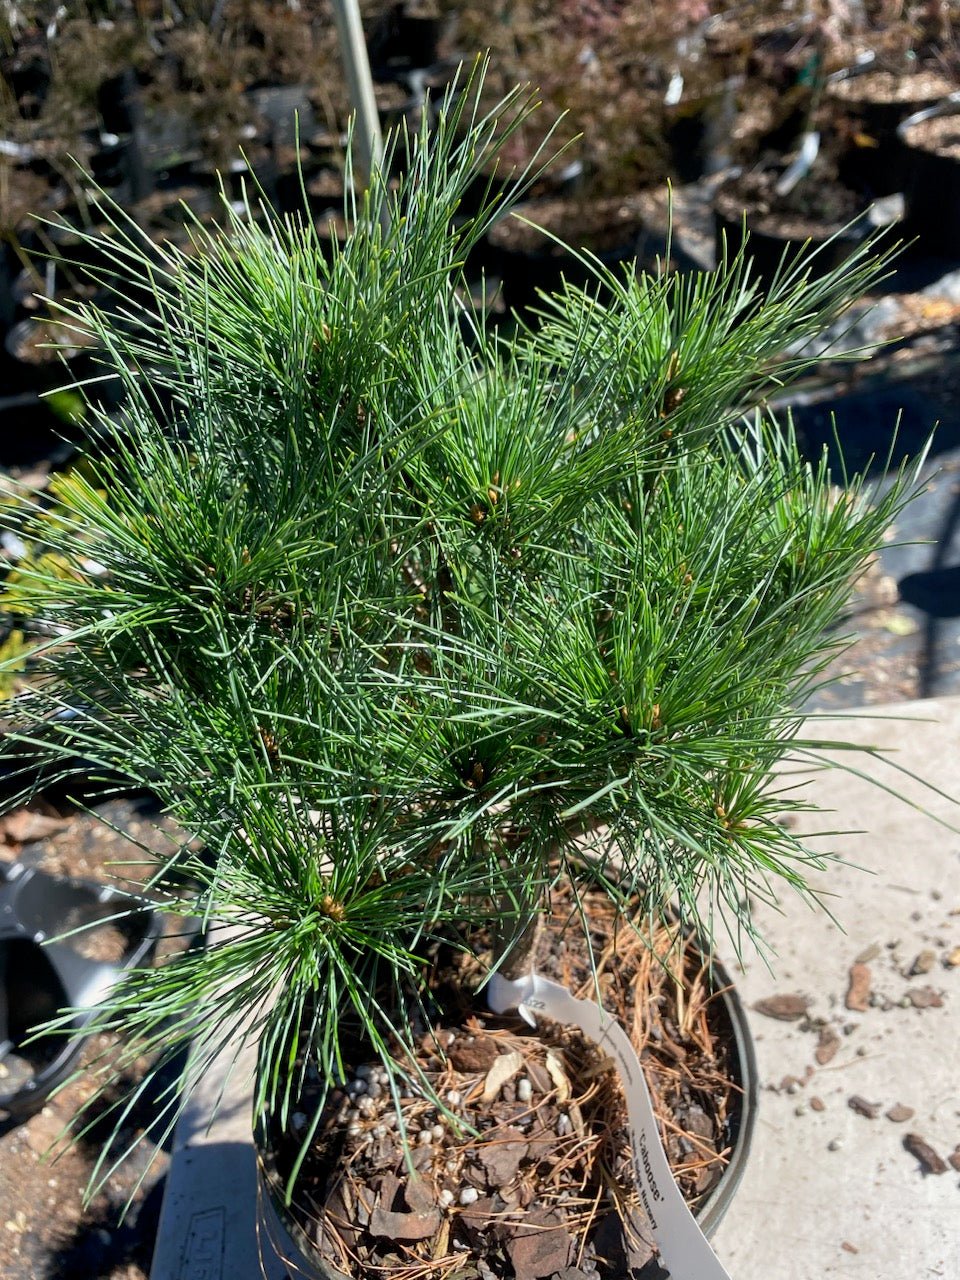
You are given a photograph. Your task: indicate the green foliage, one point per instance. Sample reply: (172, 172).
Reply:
(402, 619)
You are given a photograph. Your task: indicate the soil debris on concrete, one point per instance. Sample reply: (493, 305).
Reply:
(858, 987)
(868, 954)
(923, 963)
(899, 1113)
(925, 998)
(869, 1110)
(921, 1150)
(785, 1008)
(828, 1042)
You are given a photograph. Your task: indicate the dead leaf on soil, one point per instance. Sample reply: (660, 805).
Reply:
(504, 1068)
(559, 1077)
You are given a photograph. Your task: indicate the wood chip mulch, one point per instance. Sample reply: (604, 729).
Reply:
(528, 1173)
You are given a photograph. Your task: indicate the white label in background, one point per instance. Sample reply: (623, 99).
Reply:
(683, 1246)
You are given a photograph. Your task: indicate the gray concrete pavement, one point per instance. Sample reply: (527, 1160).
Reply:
(831, 1192)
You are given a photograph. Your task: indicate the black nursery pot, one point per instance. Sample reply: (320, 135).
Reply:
(28, 75)
(30, 432)
(10, 268)
(774, 241)
(405, 39)
(931, 140)
(529, 262)
(39, 977)
(118, 102)
(870, 108)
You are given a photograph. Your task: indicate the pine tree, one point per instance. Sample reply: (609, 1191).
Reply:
(405, 618)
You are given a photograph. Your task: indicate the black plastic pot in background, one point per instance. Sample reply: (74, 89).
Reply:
(10, 268)
(28, 75)
(31, 432)
(39, 977)
(698, 131)
(118, 102)
(404, 39)
(318, 188)
(876, 160)
(122, 159)
(823, 248)
(932, 195)
(529, 262)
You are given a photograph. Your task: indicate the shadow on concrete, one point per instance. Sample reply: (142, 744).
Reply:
(935, 592)
(875, 428)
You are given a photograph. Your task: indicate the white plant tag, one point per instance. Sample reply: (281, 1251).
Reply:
(683, 1246)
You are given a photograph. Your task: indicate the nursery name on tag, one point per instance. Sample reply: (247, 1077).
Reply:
(683, 1246)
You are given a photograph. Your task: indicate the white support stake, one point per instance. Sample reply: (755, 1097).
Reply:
(353, 49)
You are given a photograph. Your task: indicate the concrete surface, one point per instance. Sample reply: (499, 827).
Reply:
(802, 1207)
(826, 1193)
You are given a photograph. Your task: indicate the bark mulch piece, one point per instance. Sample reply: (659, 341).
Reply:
(544, 1182)
(858, 988)
(785, 1008)
(930, 1161)
(899, 1114)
